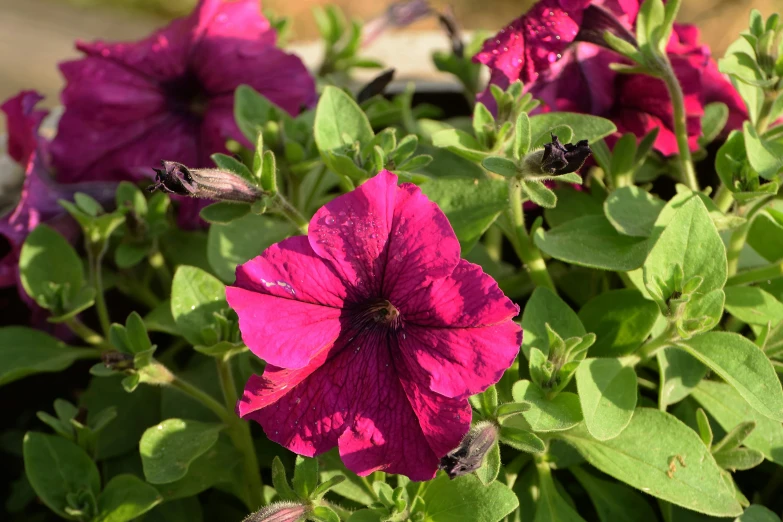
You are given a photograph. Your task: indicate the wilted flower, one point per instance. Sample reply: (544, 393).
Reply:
(557, 50)
(37, 201)
(397, 15)
(171, 95)
(176, 178)
(556, 158)
(469, 455)
(374, 331)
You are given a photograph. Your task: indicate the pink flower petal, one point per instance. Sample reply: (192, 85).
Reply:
(380, 238)
(289, 303)
(22, 121)
(352, 397)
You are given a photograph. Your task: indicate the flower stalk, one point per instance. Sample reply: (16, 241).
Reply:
(523, 243)
(687, 170)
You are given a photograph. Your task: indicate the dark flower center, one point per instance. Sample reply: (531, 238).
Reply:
(376, 313)
(186, 95)
(383, 312)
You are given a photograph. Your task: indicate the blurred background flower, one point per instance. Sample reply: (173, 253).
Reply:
(46, 29)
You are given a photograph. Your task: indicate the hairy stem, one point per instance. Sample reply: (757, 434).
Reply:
(282, 206)
(87, 334)
(680, 125)
(95, 259)
(239, 432)
(523, 244)
(756, 275)
(740, 235)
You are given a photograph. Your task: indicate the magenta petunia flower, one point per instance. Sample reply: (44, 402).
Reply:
(374, 331)
(37, 201)
(552, 50)
(171, 95)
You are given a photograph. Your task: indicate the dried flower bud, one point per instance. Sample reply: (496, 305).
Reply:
(449, 24)
(376, 86)
(469, 455)
(398, 14)
(176, 178)
(596, 21)
(280, 512)
(556, 159)
(119, 361)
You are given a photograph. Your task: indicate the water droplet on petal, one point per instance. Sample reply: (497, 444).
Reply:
(329, 220)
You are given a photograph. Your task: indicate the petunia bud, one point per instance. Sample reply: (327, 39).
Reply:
(376, 86)
(176, 178)
(469, 455)
(279, 512)
(449, 24)
(596, 21)
(556, 159)
(397, 15)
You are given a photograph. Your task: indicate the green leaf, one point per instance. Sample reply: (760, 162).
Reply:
(551, 506)
(543, 308)
(26, 352)
(557, 414)
(607, 394)
(325, 514)
(234, 243)
(758, 513)
(621, 321)
(729, 409)
(460, 143)
(305, 476)
(654, 467)
(159, 319)
(224, 212)
(766, 157)
(585, 127)
(521, 440)
(168, 449)
(593, 242)
(539, 194)
(633, 211)
(125, 498)
(753, 305)
(679, 372)
(280, 481)
(499, 165)
(195, 297)
(59, 470)
(251, 111)
(339, 122)
(477, 503)
(184, 510)
(573, 204)
(40, 277)
(522, 135)
(217, 466)
(471, 205)
(743, 365)
(738, 459)
(713, 121)
(128, 255)
(690, 242)
(614, 501)
(766, 237)
(490, 468)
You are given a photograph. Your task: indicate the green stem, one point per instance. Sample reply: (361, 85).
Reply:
(649, 349)
(87, 334)
(493, 242)
(524, 246)
(285, 208)
(756, 275)
(158, 262)
(723, 198)
(766, 110)
(680, 125)
(239, 431)
(226, 416)
(369, 488)
(318, 180)
(96, 276)
(740, 235)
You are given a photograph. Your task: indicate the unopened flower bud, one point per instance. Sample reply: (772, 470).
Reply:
(280, 512)
(449, 24)
(176, 178)
(469, 455)
(397, 15)
(556, 159)
(596, 21)
(376, 86)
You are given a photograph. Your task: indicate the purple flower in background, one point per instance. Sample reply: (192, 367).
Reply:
(171, 95)
(37, 201)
